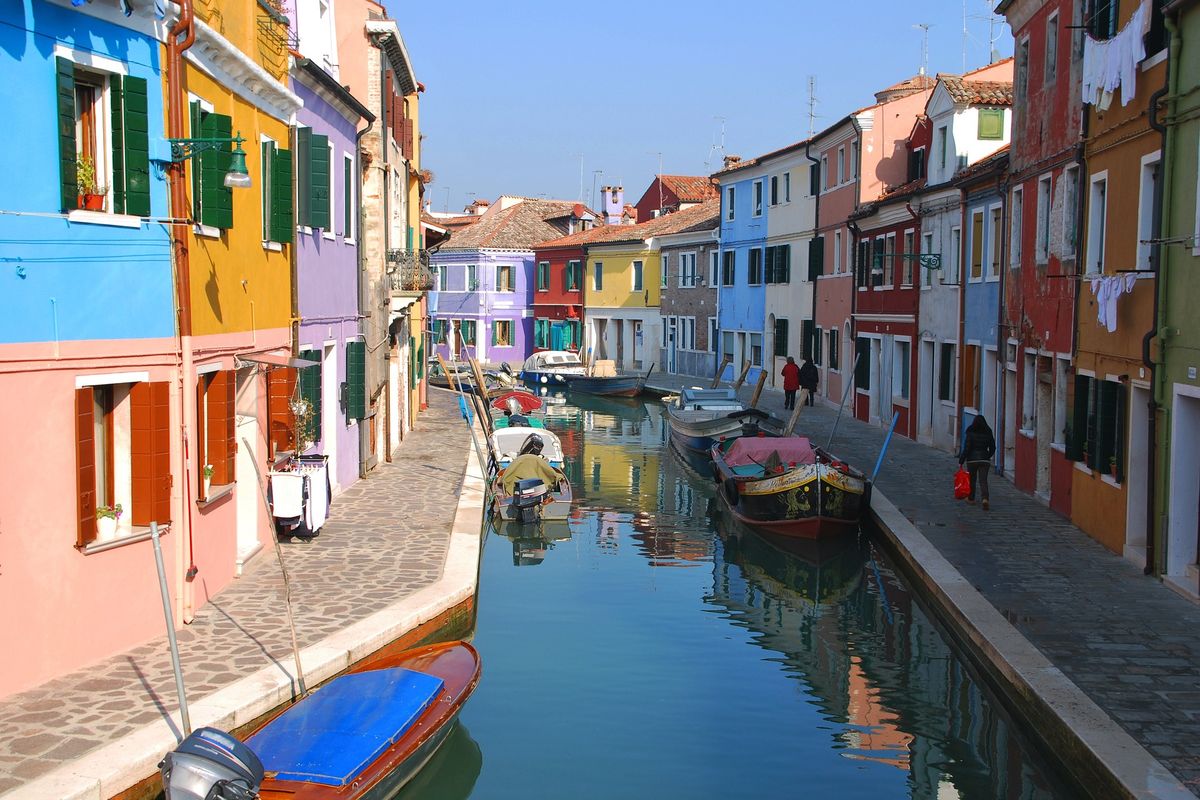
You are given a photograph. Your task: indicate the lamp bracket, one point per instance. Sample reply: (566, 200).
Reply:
(183, 149)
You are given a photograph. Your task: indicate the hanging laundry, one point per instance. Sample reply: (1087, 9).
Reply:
(1110, 64)
(1106, 291)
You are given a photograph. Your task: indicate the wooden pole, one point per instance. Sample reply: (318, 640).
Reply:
(742, 378)
(758, 387)
(801, 401)
(725, 362)
(479, 381)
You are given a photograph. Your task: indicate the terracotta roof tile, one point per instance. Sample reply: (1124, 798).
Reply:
(994, 161)
(519, 227)
(978, 93)
(698, 217)
(690, 188)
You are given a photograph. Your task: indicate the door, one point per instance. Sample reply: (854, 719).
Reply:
(1137, 475)
(1044, 424)
(329, 410)
(249, 490)
(638, 343)
(672, 332)
(1183, 518)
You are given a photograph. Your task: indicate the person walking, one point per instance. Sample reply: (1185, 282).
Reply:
(979, 445)
(808, 379)
(791, 382)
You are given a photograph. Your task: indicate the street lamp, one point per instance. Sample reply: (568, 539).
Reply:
(238, 177)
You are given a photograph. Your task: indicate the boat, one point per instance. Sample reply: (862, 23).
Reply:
(608, 385)
(528, 484)
(459, 375)
(551, 368)
(700, 417)
(523, 410)
(785, 485)
(363, 735)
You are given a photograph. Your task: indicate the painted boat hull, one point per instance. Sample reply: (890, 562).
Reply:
(812, 501)
(540, 378)
(619, 386)
(457, 664)
(701, 434)
(559, 507)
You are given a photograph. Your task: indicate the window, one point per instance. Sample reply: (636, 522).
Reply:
(1097, 220)
(755, 272)
(837, 252)
(1022, 85)
(781, 338)
(993, 241)
(862, 364)
(441, 277)
(854, 159)
(571, 276)
(543, 276)
(758, 198)
(597, 276)
(818, 341)
(687, 270)
(1029, 395)
(472, 280)
(976, 245)
(971, 376)
(774, 190)
(955, 261)
(814, 178)
(833, 350)
(714, 269)
(942, 144)
(916, 164)
(778, 268)
(212, 201)
(729, 268)
(541, 333)
(1045, 198)
(1097, 425)
(440, 328)
(841, 166)
(1146, 221)
(946, 372)
(349, 193)
(807, 339)
(313, 180)
(712, 334)
(865, 265)
(637, 276)
(877, 261)
(275, 177)
(824, 172)
(216, 427)
(787, 187)
(991, 123)
(926, 249)
(1014, 238)
(329, 203)
(889, 260)
(466, 331)
(502, 333)
(1071, 210)
(906, 259)
(1051, 66)
(730, 195)
(687, 333)
(504, 278)
(900, 369)
(756, 350)
(1101, 18)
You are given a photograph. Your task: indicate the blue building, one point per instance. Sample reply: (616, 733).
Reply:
(741, 292)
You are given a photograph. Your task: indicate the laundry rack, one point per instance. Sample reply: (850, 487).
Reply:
(300, 493)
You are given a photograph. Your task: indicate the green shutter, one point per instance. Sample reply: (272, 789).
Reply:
(783, 274)
(216, 199)
(347, 198)
(862, 363)
(816, 257)
(1106, 424)
(267, 155)
(806, 337)
(319, 187)
(1120, 432)
(195, 130)
(117, 106)
(67, 152)
(137, 148)
(356, 377)
(310, 390)
(283, 226)
(303, 176)
(991, 123)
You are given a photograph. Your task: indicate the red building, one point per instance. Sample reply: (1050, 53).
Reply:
(668, 193)
(558, 297)
(886, 305)
(1039, 292)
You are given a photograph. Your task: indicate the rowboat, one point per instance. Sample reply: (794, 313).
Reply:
(363, 735)
(527, 481)
(551, 368)
(609, 385)
(787, 486)
(698, 418)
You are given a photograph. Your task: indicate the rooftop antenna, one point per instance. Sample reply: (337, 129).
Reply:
(596, 173)
(716, 149)
(446, 202)
(924, 26)
(812, 105)
(580, 175)
(966, 34)
(659, 176)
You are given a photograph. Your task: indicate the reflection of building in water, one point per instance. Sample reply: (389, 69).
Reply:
(875, 664)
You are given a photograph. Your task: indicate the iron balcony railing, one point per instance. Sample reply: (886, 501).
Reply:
(410, 271)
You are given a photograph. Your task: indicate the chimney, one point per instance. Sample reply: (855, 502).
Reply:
(732, 160)
(613, 204)
(478, 207)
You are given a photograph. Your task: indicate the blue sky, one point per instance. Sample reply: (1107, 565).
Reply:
(516, 91)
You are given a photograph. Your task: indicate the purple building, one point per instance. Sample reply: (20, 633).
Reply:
(486, 278)
(327, 267)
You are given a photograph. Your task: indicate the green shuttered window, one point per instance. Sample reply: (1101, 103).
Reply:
(319, 184)
(816, 257)
(135, 158)
(310, 390)
(65, 90)
(212, 200)
(278, 220)
(356, 377)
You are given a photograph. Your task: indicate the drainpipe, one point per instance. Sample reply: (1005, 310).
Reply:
(180, 213)
(1001, 347)
(913, 342)
(1162, 203)
(816, 227)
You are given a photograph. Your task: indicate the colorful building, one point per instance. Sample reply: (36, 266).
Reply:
(558, 293)
(1177, 388)
(688, 303)
(668, 193)
(1110, 437)
(741, 295)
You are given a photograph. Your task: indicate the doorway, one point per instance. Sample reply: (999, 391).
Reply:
(1010, 419)
(1184, 511)
(249, 497)
(329, 411)
(1137, 473)
(1044, 424)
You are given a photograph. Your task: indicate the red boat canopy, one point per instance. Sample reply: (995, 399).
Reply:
(528, 402)
(747, 450)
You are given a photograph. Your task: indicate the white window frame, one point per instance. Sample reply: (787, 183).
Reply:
(597, 276)
(970, 248)
(1146, 193)
(955, 256)
(837, 252)
(714, 268)
(685, 259)
(264, 174)
(1070, 211)
(787, 186)
(512, 283)
(1045, 203)
(841, 165)
(1050, 53)
(824, 185)
(330, 233)
(773, 199)
(757, 199)
(348, 236)
(926, 249)
(1016, 226)
(908, 265)
(889, 254)
(1097, 226)
(714, 334)
(993, 237)
(637, 273)
(905, 397)
(730, 202)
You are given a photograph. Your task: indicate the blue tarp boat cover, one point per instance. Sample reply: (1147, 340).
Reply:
(333, 734)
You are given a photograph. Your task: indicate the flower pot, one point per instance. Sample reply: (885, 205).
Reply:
(206, 486)
(106, 529)
(93, 202)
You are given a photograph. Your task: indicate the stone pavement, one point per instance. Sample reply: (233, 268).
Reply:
(386, 538)
(1130, 643)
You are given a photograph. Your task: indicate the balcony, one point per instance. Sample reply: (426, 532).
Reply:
(410, 271)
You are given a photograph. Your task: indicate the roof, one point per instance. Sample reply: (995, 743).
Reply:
(978, 93)
(750, 162)
(389, 37)
(699, 217)
(518, 227)
(995, 161)
(342, 93)
(689, 188)
(915, 83)
(894, 194)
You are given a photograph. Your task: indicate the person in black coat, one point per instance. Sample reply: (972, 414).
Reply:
(808, 379)
(979, 445)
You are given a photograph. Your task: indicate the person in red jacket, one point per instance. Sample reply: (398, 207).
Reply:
(791, 382)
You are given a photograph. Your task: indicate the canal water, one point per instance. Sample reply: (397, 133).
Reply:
(653, 648)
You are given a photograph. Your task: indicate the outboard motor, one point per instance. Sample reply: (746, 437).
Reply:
(211, 765)
(533, 444)
(527, 498)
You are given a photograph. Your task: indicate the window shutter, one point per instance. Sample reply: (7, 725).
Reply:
(310, 390)
(1106, 424)
(356, 377)
(784, 274)
(117, 107)
(991, 123)
(814, 179)
(806, 337)
(136, 158)
(816, 257)
(219, 425)
(495, 332)
(318, 208)
(196, 129)
(67, 152)
(303, 175)
(85, 463)
(230, 425)
(283, 226)
(1119, 402)
(862, 363)
(150, 449)
(216, 199)
(347, 198)
(201, 432)
(281, 383)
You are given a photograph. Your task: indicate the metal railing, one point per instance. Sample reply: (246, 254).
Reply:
(410, 271)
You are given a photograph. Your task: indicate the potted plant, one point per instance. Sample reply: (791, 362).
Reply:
(91, 194)
(1112, 466)
(106, 522)
(208, 473)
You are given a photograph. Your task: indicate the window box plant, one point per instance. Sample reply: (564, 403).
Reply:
(207, 479)
(1112, 466)
(106, 522)
(91, 194)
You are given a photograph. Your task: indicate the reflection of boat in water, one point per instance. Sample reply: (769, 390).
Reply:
(452, 773)
(530, 543)
(700, 417)
(624, 407)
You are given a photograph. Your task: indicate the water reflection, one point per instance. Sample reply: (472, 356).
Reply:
(531, 543)
(451, 773)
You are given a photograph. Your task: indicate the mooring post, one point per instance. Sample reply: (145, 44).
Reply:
(742, 378)
(758, 387)
(725, 362)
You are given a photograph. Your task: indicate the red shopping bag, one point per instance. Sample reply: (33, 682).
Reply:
(962, 484)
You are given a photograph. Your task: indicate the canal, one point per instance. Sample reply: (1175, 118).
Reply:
(652, 647)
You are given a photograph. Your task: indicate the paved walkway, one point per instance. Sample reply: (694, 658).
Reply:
(386, 539)
(1131, 644)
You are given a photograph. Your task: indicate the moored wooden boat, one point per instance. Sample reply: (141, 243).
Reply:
(551, 368)
(367, 733)
(698, 418)
(788, 487)
(606, 386)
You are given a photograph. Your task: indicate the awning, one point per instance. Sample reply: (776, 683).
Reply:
(272, 360)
